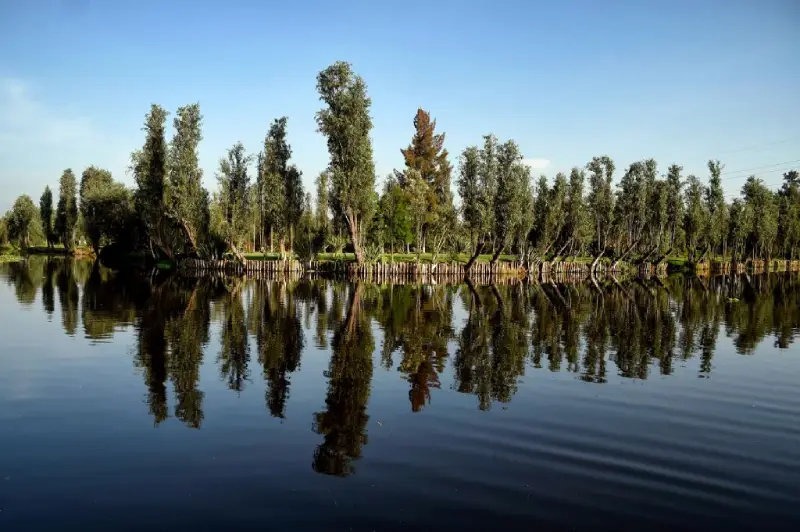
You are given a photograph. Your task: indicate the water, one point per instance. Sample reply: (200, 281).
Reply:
(159, 403)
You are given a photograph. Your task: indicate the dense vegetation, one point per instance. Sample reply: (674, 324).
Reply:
(261, 205)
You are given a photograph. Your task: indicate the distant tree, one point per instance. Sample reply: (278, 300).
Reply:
(696, 217)
(763, 203)
(716, 207)
(4, 229)
(550, 209)
(417, 191)
(23, 217)
(346, 123)
(67, 209)
(739, 227)
(675, 208)
(789, 219)
(46, 214)
(601, 203)
(631, 206)
(234, 183)
(149, 167)
(185, 198)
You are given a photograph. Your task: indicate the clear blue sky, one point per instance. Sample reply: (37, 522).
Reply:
(680, 81)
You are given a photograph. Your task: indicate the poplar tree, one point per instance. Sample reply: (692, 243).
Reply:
(601, 203)
(46, 214)
(67, 209)
(346, 122)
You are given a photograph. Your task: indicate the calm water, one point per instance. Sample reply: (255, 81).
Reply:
(159, 403)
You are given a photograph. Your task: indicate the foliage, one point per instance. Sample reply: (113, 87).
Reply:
(46, 215)
(346, 123)
(23, 220)
(66, 210)
(234, 183)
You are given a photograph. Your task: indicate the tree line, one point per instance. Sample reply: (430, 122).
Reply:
(260, 203)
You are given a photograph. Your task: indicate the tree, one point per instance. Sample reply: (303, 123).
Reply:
(510, 177)
(322, 210)
(4, 229)
(46, 215)
(601, 203)
(67, 209)
(397, 218)
(577, 226)
(717, 210)
(185, 198)
(234, 183)
(630, 213)
(675, 208)
(149, 166)
(474, 206)
(346, 123)
(763, 204)
(108, 214)
(417, 191)
(789, 226)
(427, 156)
(22, 220)
(695, 222)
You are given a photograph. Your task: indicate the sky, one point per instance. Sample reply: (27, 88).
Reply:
(678, 81)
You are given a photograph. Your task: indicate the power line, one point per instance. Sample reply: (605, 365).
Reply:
(755, 168)
(756, 147)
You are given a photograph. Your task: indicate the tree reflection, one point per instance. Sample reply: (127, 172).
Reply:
(48, 290)
(67, 297)
(343, 422)
(234, 355)
(279, 340)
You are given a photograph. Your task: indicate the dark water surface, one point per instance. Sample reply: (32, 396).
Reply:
(160, 403)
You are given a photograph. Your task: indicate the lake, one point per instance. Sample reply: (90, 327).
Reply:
(155, 402)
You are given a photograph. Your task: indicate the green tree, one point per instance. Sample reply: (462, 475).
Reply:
(601, 203)
(474, 205)
(397, 219)
(108, 214)
(427, 156)
(46, 215)
(4, 229)
(346, 123)
(509, 175)
(763, 203)
(323, 222)
(717, 210)
(577, 226)
(185, 198)
(67, 209)
(234, 183)
(695, 222)
(149, 166)
(417, 191)
(675, 208)
(24, 216)
(789, 220)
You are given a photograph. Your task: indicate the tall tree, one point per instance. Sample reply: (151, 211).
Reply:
(601, 203)
(67, 209)
(696, 217)
(46, 214)
(763, 203)
(149, 166)
(22, 220)
(717, 210)
(474, 206)
(234, 183)
(675, 208)
(322, 209)
(346, 123)
(185, 198)
(789, 228)
(510, 175)
(577, 226)
(427, 156)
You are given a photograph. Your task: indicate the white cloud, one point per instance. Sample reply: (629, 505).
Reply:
(24, 119)
(536, 164)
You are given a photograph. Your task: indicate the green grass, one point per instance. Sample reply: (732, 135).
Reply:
(9, 254)
(425, 258)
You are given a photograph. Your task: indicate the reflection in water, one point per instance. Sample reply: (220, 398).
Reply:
(494, 334)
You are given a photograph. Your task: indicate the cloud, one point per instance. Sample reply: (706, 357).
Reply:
(24, 119)
(536, 164)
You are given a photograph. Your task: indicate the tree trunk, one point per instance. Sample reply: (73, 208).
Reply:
(497, 252)
(271, 240)
(596, 261)
(236, 253)
(624, 255)
(473, 258)
(355, 235)
(663, 257)
(187, 231)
